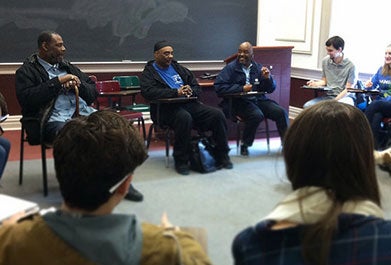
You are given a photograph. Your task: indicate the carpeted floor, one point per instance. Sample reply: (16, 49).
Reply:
(223, 202)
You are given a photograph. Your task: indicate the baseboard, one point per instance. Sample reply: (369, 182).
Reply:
(293, 112)
(12, 123)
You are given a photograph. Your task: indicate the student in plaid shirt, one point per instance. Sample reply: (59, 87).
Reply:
(333, 215)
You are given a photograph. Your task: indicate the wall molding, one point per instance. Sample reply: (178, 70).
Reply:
(124, 66)
(308, 74)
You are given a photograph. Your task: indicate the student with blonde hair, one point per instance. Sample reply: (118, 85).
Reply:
(381, 105)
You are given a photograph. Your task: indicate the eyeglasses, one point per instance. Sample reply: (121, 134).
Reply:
(116, 185)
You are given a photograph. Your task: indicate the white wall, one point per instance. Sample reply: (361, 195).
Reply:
(363, 25)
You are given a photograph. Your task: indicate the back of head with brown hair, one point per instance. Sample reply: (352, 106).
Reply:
(93, 153)
(330, 145)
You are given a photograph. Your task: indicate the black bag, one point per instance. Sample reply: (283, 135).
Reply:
(201, 159)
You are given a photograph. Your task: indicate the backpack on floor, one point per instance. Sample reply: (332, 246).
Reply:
(201, 159)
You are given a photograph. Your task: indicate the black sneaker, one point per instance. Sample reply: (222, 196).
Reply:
(182, 169)
(244, 150)
(134, 195)
(224, 162)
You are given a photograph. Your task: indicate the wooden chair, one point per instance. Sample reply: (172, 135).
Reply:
(131, 82)
(128, 81)
(110, 97)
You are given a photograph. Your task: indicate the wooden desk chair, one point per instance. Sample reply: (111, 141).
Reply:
(131, 82)
(113, 102)
(128, 81)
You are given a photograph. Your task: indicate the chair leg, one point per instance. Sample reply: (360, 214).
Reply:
(44, 170)
(143, 127)
(150, 135)
(267, 135)
(238, 136)
(167, 136)
(21, 156)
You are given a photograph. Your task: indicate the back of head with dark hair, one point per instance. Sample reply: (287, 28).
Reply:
(45, 36)
(91, 154)
(330, 145)
(336, 41)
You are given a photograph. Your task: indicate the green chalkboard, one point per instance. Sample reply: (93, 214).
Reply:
(115, 30)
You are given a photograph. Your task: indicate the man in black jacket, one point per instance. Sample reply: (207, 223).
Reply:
(45, 88)
(163, 77)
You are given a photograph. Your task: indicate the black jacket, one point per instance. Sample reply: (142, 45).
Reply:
(154, 87)
(37, 93)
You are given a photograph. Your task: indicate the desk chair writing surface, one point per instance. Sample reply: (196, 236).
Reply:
(317, 89)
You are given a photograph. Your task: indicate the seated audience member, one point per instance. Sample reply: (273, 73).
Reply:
(5, 144)
(245, 75)
(164, 77)
(333, 215)
(380, 107)
(45, 88)
(338, 73)
(85, 230)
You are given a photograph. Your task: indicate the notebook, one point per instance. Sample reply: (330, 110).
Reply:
(12, 205)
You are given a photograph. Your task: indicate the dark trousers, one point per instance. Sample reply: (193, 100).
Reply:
(51, 130)
(253, 112)
(182, 118)
(375, 113)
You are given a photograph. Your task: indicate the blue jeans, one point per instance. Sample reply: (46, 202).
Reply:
(5, 146)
